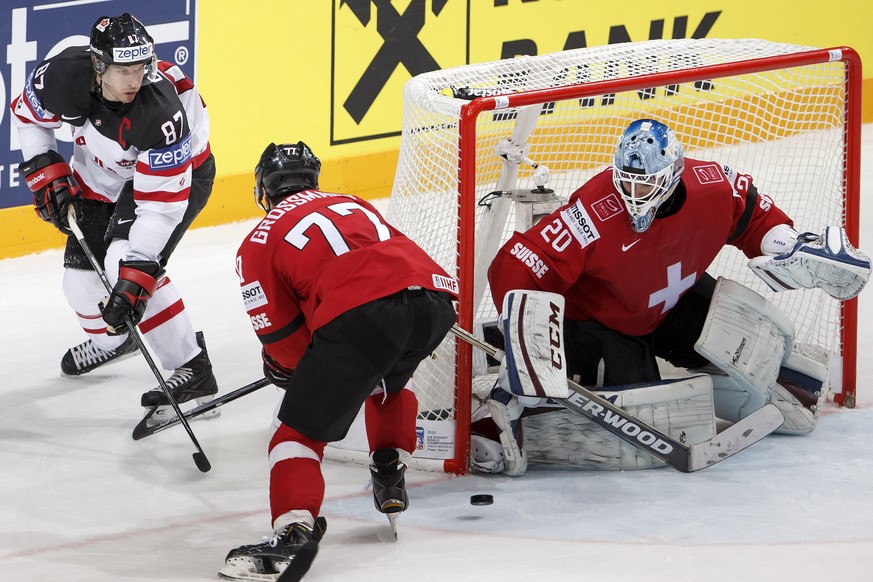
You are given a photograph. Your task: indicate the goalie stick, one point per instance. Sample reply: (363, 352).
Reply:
(682, 457)
(142, 429)
(199, 457)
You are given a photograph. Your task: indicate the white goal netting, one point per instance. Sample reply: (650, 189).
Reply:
(775, 111)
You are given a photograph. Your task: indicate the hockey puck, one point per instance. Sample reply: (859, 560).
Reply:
(481, 499)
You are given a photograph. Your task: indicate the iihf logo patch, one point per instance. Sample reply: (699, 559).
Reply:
(419, 438)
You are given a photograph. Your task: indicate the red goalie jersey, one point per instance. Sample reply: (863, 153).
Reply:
(317, 255)
(588, 252)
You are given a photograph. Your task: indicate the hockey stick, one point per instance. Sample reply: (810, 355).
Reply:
(199, 457)
(142, 429)
(685, 458)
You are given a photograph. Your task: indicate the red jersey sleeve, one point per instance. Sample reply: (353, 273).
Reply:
(755, 214)
(548, 257)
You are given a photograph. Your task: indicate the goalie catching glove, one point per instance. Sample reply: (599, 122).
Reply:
(828, 262)
(54, 188)
(137, 281)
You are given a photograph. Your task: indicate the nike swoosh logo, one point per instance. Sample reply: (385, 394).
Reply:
(626, 247)
(66, 118)
(125, 221)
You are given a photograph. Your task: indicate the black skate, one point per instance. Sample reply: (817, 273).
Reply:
(389, 484)
(85, 357)
(193, 381)
(285, 557)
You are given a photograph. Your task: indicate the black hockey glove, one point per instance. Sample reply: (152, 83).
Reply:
(137, 281)
(275, 373)
(54, 188)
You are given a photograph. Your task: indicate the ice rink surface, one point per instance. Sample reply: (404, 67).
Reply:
(81, 501)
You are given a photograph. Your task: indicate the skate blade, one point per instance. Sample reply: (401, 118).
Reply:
(235, 573)
(160, 414)
(392, 521)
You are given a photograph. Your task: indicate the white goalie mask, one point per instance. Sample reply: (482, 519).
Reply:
(648, 166)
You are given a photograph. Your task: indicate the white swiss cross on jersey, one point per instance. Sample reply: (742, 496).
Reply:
(676, 286)
(630, 281)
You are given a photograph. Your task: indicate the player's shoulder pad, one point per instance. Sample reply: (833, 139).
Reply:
(176, 75)
(600, 196)
(729, 172)
(705, 173)
(62, 85)
(158, 117)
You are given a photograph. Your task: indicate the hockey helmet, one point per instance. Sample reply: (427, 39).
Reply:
(648, 166)
(123, 40)
(284, 169)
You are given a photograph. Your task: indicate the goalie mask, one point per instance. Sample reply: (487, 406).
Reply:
(285, 169)
(123, 41)
(648, 166)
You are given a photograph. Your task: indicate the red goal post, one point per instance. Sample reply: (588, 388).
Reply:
(788, 115)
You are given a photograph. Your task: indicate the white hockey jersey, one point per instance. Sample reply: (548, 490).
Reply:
(155, 140)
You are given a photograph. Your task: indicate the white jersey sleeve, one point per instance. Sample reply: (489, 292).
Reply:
(195, 109)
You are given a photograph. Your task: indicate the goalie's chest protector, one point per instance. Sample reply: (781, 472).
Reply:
(630, 281)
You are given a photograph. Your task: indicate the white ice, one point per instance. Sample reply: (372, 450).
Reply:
(81, 501)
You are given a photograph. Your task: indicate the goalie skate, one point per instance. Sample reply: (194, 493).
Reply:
(85, 357)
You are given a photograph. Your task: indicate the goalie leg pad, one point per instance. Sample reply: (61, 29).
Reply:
(533, 331)
(681, 408)
(801, 390)
(734, 402)
(747, 337)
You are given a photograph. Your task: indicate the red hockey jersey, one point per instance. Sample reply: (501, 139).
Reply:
(317, 255)
(628, 281)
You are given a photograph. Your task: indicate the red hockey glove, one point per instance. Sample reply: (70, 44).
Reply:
(54, 188)
(137, 281)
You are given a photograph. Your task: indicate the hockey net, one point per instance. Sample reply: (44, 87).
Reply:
(788, 115)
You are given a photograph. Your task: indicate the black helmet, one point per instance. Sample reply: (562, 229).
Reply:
(122, 40)
(284, 169)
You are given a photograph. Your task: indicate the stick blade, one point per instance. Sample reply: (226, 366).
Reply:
(301, 563)
(735, 438)
(202, 462)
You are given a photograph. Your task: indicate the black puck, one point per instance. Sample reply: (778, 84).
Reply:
(481, 499)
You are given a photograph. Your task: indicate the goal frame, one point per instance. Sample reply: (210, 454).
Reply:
(470, 111)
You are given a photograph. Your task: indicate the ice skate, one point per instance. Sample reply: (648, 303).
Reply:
(193, 381)
(284, 557)
(389, 484)
(85, 357)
